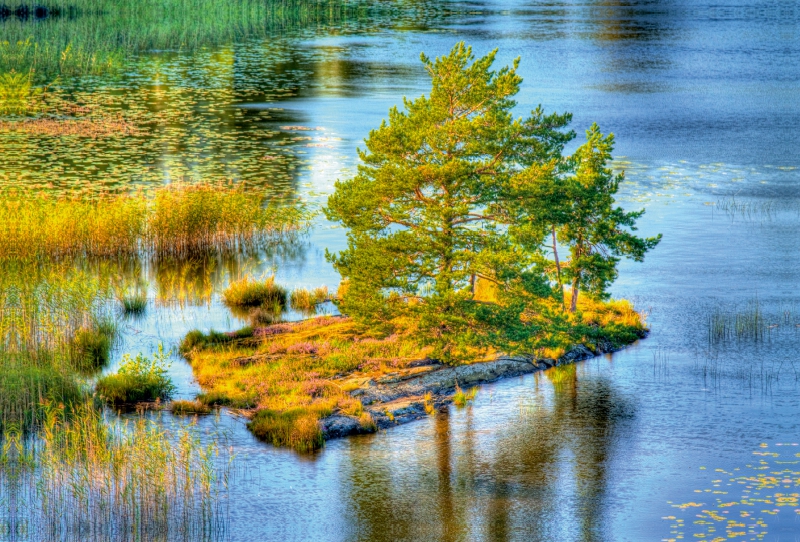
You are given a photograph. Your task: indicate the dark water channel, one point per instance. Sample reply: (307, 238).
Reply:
(642, 445)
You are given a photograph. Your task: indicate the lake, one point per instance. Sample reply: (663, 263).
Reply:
(644, 444)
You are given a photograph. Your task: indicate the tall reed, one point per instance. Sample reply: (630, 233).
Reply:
(85, 477)
(180, 220)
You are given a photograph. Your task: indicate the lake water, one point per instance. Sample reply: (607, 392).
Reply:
(642, 445)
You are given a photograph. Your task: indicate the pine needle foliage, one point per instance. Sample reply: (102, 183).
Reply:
(454, 190)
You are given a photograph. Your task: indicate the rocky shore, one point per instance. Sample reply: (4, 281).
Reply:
(398, 397)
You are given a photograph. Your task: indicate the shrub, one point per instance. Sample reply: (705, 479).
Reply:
(248, 292)
(138, 379)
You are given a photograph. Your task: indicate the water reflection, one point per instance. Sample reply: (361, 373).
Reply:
(539, 474)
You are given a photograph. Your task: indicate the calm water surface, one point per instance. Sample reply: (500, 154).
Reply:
(642, 445)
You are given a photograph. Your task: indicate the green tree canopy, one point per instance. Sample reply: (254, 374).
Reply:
(454, 191)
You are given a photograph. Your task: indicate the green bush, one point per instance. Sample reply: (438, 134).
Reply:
(138, 379)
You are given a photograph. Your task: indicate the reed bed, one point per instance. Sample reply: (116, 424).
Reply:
(179, 221)
(100, 35)
(85, 477)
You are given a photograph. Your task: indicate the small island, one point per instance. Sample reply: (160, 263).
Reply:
(477, 249)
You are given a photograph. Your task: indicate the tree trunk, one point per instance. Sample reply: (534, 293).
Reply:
(558, 266)
(575, 287)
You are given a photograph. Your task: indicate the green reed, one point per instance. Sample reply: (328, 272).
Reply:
(746, 324)
(85, 477)
(99, 35)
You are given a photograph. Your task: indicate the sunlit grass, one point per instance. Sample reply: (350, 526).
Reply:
(248, 292)
(306, 300)
(179, 220)
(288, 375)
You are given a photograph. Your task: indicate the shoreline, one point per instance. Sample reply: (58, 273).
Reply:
(398, 398)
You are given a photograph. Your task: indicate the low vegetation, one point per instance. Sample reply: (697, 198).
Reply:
(306, 300)
(105, 481)
(291, 374)
(91, 346)
(189, 407)
(138, 379)
(178, 220)
(134, 303)
(461, 398)
(248, 292)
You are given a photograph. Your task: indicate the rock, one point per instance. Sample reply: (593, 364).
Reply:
(339, 425)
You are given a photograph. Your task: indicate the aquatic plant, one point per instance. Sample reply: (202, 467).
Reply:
(197, 340)
(460, 398)
(180, 220)
(91, 346)
(189, 407)
(248, 292)
(84, 476)
(306, 300)
(134, 302)
(139, 378)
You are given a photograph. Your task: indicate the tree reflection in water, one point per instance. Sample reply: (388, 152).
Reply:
(495, 472)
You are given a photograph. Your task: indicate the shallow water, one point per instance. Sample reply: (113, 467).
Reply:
(702, 97)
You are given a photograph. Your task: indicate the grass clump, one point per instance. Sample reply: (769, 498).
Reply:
(461, 398)
(134, 303)
(306, 300)
(138, 379)
(92, 345)
(197, 340)
(189, 407)
(427, 402)
(248, 292)
(295, 428)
